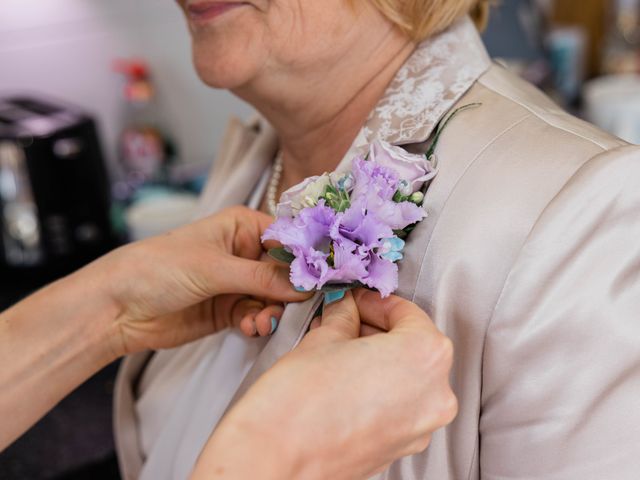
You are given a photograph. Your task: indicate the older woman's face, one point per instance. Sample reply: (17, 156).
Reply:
(237, 42)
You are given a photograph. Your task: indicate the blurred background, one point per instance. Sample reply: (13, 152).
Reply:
(107, 135)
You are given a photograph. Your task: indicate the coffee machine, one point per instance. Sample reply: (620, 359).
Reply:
(54, 192)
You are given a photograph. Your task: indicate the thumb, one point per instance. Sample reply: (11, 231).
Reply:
(341, 318)
(257, 278)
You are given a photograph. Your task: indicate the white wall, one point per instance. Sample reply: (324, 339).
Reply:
(65, 48)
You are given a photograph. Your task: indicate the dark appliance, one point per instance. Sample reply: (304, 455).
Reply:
(54, 192)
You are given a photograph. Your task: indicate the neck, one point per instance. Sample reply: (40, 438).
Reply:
(317, 114)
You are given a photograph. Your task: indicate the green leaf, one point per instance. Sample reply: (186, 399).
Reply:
(281, 255)
(342, 205)
(401, 234)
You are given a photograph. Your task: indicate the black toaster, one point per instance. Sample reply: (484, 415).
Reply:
(54, 192)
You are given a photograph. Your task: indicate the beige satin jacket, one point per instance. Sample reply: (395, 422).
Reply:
(529, 260)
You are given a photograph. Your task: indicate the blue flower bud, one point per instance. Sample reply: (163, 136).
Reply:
(392, 256)
(397, 244)
(346, 182)
(391, 249)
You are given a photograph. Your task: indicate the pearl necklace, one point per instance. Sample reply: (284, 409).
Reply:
(274, 184)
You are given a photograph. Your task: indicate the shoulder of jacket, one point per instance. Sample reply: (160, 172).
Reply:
(520, 94)
(236, 139)
(620, 166)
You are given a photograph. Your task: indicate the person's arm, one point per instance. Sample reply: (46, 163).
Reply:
(49, 344)
(339, 406)
(159, 293)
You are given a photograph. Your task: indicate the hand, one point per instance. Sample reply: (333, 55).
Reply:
(339, 406)
(194, 281)
(157, 293)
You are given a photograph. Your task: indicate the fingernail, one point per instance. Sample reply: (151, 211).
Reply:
(299, 289)
(332, 297)
(274, 325)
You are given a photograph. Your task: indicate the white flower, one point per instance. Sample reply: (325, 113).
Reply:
(303, 195)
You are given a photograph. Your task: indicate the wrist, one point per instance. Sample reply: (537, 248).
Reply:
(243, 447)
(95, 310)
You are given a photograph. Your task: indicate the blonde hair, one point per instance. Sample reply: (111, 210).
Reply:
(421, 18)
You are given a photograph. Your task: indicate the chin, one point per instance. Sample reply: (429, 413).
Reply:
(224, 71)
(227, 59)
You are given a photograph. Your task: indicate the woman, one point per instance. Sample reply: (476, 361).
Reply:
(166, 291)
(527, 260)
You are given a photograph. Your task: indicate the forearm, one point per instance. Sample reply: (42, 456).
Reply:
(238, 451)
(49, 344)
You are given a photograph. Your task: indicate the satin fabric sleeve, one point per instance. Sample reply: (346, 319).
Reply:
(561, 365)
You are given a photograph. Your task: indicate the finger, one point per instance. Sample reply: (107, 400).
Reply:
(269, 244)
(250, 225)
(315, 323)
(258, 279)
(391, 313)
(245, 308)
(368, 330)
(248, 325)
(267, 320)
(379, 470)
(342, 317)
(419, 445)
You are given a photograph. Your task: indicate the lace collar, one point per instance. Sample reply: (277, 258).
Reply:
(436, 75)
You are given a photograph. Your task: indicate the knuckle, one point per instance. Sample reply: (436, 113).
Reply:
(422, 443)
(341, 315)
(235, 210)
(446, 350)
(417, 445)
(266, 275)
(430, 350)
(440, 352)
(449, 408)
(394, 304)
(440, 409)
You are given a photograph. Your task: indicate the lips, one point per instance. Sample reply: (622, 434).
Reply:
(202, 12)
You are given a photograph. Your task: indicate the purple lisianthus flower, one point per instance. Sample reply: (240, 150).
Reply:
(361, 226)
(373, 179)
(309, 230)
(382, 275)
(309, 237)
(412, 168)
(373, 193)
(397, 215)
(349, 264)
(309, 270)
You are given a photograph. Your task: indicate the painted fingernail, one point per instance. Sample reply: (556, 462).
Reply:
(299, 289)
(274, 325)
(332, 297)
